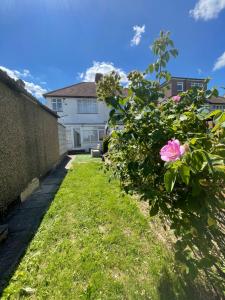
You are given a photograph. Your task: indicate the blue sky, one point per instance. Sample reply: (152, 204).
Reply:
(55, 43)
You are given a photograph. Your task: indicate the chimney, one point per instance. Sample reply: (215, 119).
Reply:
(98, 76)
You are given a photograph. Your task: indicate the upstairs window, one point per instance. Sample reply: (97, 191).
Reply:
(57, 105)
(87, 106)
(180, 86)
(197, 84)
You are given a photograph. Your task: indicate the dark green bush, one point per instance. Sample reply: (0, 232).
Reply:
(105, 144)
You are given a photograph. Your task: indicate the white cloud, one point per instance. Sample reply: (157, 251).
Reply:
(220, 62)
(207, 9)
(35, 89)
(199, 71)
(103, 68)
(139, 30)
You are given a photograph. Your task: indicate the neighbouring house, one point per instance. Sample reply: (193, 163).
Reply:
(181, 84)
(217, 103)
(177, 85)
(81, 113)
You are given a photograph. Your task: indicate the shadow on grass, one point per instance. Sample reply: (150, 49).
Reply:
(183, 288)
(24, 219)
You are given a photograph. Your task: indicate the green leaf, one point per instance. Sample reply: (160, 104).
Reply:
(154, 210)
(197, 160)
(211, 221)
(220, 150)
(220, 169)
(209, 160)
(213, 113)
(215, 92)
(170, 179)
(205, 262)
(220, 120)
(193, 141)
(174, 52)
(157, 67)
(185, 174)
(183, 117)
(151, 68)
(112, 112)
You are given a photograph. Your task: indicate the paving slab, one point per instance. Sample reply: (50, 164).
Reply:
(3, 232)
(23, 222)
(47, 189)
(36, 200)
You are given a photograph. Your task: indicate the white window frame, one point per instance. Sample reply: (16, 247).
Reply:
(182, 84)
(219, 106)
(103, 131)
(90, 141)
(197, 84)
(87, 106)
(57, 104)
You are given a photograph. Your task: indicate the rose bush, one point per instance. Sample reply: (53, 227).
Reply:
(171, 152)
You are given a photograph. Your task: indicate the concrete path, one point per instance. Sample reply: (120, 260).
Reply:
(23, 221)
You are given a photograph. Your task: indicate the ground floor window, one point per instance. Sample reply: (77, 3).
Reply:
(101, 134)
(221, 107)
(84, 137)
(92, 136)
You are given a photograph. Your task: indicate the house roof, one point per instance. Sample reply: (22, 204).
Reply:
(188, 78)
(217, 100)
(18, 86)
(79, 90)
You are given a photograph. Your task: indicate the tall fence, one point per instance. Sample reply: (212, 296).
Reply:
(29, 145)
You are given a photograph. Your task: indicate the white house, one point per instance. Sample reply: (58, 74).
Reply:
(81, 113)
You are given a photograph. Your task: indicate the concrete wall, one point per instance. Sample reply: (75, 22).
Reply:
(29, 144)
(62, 139)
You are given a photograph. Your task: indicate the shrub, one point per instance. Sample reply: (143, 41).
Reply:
(105, 144)
(168, 153)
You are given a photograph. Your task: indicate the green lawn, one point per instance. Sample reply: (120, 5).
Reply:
(94, 243)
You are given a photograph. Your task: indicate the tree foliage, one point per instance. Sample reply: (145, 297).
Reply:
(186, 193)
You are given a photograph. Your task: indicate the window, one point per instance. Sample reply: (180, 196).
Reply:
(87, 106)
(197, 84)
(101, 134)
(93, 136)
(57, 105)
(90, 136)
(221, 107)
(180, 86)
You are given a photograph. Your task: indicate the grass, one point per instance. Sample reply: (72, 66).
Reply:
(94, 243)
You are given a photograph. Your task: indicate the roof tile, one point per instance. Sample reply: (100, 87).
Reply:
(79, 90)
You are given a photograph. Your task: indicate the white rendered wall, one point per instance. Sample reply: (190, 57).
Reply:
(70, 114)
(62, 139)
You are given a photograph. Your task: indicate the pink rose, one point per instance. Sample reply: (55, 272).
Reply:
(176, 98)
(172, 151)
